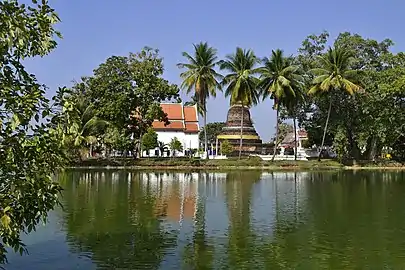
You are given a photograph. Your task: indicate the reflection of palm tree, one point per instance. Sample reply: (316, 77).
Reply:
(199, 254)
(241, 240)
(115, 222)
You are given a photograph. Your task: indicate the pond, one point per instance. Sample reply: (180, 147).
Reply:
(223, 220)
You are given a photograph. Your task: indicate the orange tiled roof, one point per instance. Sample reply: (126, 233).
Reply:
(190, 114)
(174, 111)
(191, 127)
(181, 117)
(177, 125)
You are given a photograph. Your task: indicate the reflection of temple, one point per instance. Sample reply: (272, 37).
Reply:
(231, 132)
(176, 194)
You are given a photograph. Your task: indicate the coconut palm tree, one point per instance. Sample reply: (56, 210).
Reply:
(85, 125)
(194, 101)
(333, 74)
(241, 81)
(279, 79)
(201, 77)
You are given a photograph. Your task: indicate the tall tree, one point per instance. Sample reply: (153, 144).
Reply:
(280, 79)
(194, 101)
(136, 86)
(201, 77)
(30, 146)
(333, 74)
(241, 83)
(150, 140)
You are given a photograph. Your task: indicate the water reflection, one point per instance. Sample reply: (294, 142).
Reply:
(234, 220)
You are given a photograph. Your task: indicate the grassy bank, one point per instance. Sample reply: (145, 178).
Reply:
(246, 163)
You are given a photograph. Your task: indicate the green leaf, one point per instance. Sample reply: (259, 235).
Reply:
(5, 221)
(15, 122)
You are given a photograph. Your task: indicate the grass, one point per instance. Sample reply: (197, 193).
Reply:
(231, 163)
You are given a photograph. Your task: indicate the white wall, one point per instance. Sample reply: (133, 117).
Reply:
(192, 140)
(188, 140)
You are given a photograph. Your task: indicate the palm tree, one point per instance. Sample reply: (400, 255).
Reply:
(162, 147)
(194, 101)
(85, 125)
(279, 79)
(201, 77)
(241, 81)
(333, 73)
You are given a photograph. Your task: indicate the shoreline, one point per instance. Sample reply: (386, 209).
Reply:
(239, 168)
(228, 164)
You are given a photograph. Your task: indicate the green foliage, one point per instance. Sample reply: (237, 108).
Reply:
(118, 139)
(200, 76)
(371, 119)
(226, 147)
(150, 140)
(241, 83)
(162, 147)
(82, 127)
(340, 144)
(30, 146)
(280, 78)
(130, 85)
(194, 101)
(306, 144)
(283, 130)
(334, 73)
(213, 130)
(175, 145)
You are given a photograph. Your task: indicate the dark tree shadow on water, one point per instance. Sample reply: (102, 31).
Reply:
(113, 219)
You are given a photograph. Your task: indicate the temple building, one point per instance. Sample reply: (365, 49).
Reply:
(251, 144)
(183, 125)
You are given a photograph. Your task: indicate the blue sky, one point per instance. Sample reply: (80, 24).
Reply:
(94, 30)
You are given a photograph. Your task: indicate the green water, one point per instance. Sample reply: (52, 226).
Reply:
(237, 220)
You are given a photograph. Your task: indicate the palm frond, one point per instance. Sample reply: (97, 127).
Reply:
(200, 76)
(334, 73)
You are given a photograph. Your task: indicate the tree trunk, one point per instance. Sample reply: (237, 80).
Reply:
(354, 150)
(295, 139)
(205, 135)
(140, 145)
(275, 143)
(324, 131)
(91, 151)
(373, 150)
(241, 132)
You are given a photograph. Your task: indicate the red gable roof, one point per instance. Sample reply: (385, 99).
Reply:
(191, 127)
(174, 111)
(174, 125)
(190, 114)
(183, 118)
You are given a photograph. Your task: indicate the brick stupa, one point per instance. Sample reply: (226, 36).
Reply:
(251, 144)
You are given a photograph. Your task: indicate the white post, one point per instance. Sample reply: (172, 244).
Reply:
(216, 147)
